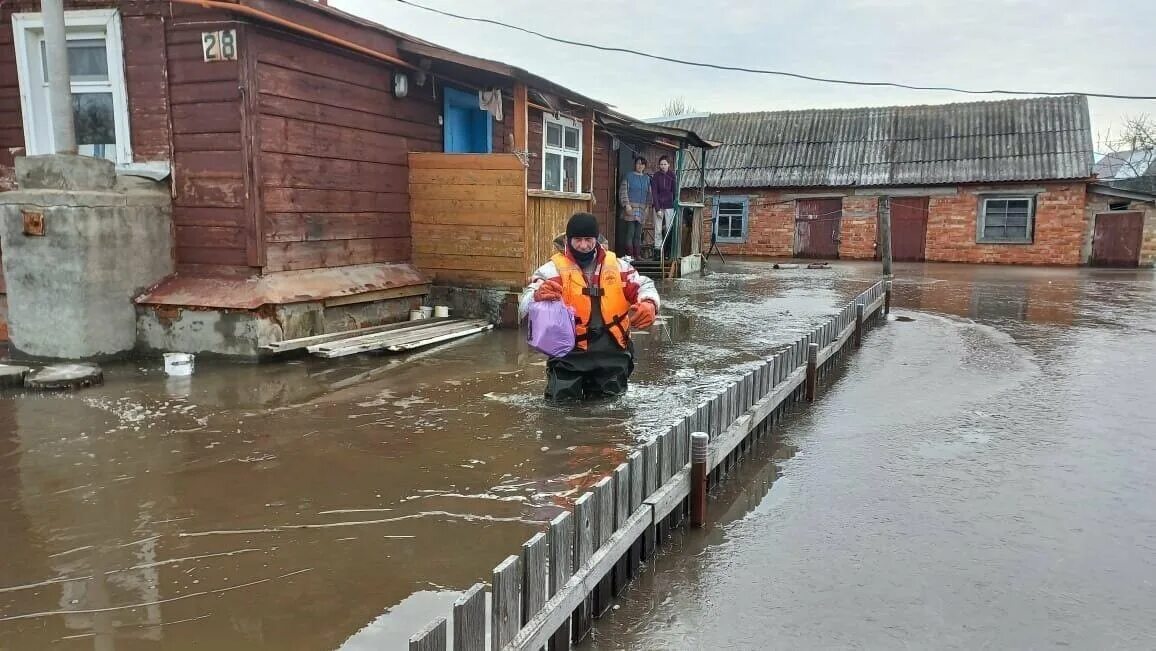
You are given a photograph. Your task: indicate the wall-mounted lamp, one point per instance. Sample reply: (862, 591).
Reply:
(400, 84)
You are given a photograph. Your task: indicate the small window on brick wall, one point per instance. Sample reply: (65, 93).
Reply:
(730, 219)
(1118, 205)
(1006, 220)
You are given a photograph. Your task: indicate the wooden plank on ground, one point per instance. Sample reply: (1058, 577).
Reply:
(397, 348)
(305, 342)
(403, 341)
(406, 326)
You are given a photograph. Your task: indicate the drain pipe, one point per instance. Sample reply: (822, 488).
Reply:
(295, 27)
(59, 79)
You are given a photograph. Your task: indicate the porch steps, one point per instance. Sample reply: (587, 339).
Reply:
(650, 268)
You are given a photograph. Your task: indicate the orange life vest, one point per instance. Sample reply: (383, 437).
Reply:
(610, 288)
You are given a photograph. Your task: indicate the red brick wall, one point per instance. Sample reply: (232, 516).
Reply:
(1060, 225)
(771, 231)
(857, 229)
(1059, 234)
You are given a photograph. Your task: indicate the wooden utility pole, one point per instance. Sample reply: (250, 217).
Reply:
(59, 80)
(885, 234)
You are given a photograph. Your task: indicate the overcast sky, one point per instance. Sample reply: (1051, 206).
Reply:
(1103, 46)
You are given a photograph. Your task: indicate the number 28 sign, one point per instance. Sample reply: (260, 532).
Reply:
(220, 46)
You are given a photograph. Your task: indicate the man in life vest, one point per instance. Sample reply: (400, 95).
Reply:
(608, 298)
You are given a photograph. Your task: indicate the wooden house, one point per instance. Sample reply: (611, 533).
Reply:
(325, 170)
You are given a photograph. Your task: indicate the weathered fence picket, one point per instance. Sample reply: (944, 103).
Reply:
(535, 580)
(506, 602)
(561, 569)
(603, 529)
(583, 551)
(470, 620)
(430, 638)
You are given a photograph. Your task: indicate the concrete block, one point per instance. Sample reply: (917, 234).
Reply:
(498, 306)
(70, 291)
(63, 172)
(232, 333)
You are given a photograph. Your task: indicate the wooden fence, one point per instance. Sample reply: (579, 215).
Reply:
(547, 595)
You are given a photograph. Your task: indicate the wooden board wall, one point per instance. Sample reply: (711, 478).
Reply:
(209, 192)
(333, 161)
(603, 187)
(468, 214)
(546, 218)
(534, 144)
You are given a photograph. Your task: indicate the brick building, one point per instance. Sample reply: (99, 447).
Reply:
(991, 182)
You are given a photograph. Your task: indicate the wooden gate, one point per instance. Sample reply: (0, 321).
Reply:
(817, 227)
(1117, 238)
(908, 228)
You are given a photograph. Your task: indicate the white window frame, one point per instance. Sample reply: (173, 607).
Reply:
(27, 31)
(563, 123)
(746, 202)
(981, 219)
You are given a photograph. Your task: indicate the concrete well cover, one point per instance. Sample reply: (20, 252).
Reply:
(65, 376)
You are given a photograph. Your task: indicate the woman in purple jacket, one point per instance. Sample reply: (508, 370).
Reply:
(662, 186)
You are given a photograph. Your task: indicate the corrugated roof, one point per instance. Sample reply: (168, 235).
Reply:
(1009, 140)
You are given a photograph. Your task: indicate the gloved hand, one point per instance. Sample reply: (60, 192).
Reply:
(551, 290)
(642, 314)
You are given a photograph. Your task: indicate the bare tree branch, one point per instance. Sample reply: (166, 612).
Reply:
(1136, 144)
(677, 106)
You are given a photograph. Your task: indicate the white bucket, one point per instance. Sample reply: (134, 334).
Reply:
(415, 315)
(179, 363)
(441, 311)
(426, 311)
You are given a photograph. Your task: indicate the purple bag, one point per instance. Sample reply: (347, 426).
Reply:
(550, 328)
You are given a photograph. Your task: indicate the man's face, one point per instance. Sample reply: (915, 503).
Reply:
(583, 244)
(639, 166)
(664, 165)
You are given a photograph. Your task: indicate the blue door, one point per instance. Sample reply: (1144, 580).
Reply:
(468, 129)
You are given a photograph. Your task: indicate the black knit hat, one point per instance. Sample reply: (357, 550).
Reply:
(582, 224)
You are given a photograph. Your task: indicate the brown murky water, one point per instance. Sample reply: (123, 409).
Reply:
(980, 477)
(334, 504)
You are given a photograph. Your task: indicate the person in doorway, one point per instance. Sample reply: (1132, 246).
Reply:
(662, 186)
(608, 298)
(634, 196)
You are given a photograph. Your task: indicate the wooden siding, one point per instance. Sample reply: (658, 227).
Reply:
(546, 218)
(469, 214)
(334, 145)
(603, 188)
(212, 227)
(534, 145)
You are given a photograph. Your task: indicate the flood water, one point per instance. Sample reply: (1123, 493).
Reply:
(981, 476)
(336, 504)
